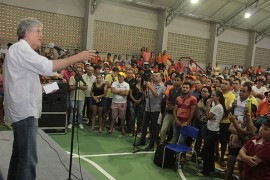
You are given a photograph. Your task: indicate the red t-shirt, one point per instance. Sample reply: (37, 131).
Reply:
(184, 107)
(258, 71)
(262, 151)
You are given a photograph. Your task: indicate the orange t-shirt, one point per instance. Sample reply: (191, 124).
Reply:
(158, 59)
(263, 108)
(165, 59)
(95, 61)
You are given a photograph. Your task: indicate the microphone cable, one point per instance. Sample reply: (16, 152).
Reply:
(79, 150)
(58, 156)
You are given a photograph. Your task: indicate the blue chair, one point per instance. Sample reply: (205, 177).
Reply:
(186, 131)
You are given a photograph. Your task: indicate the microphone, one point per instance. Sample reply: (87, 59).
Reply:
(78, 75)
(52, 45)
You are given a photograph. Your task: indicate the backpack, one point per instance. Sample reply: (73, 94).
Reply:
(169, 157)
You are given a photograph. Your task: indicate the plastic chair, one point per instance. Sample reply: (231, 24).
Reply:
(187, 131)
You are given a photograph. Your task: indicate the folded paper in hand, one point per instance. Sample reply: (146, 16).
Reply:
(48, 88)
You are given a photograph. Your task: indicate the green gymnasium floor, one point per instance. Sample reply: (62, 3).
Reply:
(107, 156)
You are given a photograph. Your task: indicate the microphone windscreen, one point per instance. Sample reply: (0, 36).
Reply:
(51, 45)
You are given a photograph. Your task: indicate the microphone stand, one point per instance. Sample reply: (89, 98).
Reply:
(135, 148)
(78, 78)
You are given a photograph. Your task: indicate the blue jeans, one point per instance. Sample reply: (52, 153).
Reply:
(80, 104)
(24, 154)
(178, 138)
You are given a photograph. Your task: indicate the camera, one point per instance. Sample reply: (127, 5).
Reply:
(146, 72)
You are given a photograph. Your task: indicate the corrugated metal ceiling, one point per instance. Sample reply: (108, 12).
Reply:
(226, 12)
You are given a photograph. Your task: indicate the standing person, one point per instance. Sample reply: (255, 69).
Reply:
(180, 66)
(200, 121)
(213, 116)
(183, 112)
(109, 59)
(259, 90)
(238, 109)
(236, 87)
(229, 97)
(255, 155)
(66, 74)
(208, 69)
(159, 59)
(89, 79)
(216, 70)
(173, 94)
(152, 109)
(109, 79)
(99, 90)
(131, 82)
(146, 54)
(137, 103)
(80, 97)
(23, 94)
(120, 90)
(165, 57)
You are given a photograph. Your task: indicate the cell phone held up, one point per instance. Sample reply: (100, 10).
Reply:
(248, 104)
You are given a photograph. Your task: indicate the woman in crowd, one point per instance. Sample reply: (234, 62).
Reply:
(51, 55)
(225, 72)
(137, 103)
(99, 90)
(209, 82)
(152, 59)
(200, 122)
(213, 115)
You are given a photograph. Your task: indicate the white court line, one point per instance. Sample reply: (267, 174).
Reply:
(105, 173)
(181, 174)
(117, 154)
(99, 168)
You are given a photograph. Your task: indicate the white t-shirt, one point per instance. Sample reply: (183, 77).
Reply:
(89, 81)
(213, 124)
(262, 90)
(120, 86)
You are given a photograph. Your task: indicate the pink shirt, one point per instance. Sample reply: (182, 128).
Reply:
(146, 56)
(66, 75)
(180, 66)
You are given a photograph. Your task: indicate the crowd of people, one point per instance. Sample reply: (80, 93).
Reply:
(230, 107)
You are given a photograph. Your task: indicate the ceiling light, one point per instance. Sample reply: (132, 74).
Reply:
(194, 1)
(247, 15)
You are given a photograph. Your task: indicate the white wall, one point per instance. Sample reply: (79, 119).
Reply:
(234, 36)
(265, 43)
(127, 15)
(66, 7)
(189, 27)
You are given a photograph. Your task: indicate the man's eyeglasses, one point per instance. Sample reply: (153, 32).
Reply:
(38, 31)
